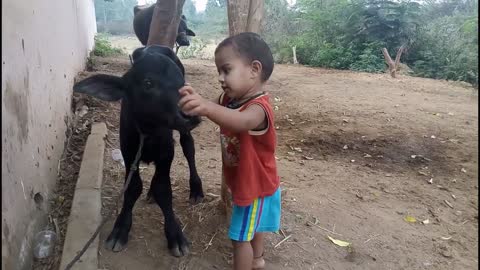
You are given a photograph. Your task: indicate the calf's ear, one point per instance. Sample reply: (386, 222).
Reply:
(101, 86)
(190, 32)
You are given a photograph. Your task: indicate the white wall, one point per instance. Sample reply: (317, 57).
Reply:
(44, 45)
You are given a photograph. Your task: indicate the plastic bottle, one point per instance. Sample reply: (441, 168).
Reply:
(44, 244)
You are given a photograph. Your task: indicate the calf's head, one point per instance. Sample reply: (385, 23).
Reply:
(184, 33)
(149, 90)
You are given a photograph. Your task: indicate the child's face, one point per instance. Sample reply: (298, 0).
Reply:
(234, 74)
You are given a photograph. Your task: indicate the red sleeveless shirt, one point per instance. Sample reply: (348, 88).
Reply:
(248, 157)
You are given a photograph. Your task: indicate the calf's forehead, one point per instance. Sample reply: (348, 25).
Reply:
(182, 26)
(158, 66)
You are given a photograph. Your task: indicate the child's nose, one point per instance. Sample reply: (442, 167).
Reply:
(221, 78)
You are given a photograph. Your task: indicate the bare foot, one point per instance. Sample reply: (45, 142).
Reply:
(258, 263)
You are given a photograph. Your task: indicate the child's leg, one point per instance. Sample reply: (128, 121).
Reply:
(242, 255)
(258, 246)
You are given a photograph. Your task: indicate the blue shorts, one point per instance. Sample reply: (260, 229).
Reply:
(263, 215)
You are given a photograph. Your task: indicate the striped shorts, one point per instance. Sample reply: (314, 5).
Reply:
(263, 215)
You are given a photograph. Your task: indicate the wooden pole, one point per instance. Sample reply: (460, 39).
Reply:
(165, 21)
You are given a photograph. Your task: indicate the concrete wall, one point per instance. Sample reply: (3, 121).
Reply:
(44, 45)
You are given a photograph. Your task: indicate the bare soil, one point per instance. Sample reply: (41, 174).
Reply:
(357, 154)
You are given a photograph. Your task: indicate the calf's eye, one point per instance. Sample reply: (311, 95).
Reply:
(147, 83)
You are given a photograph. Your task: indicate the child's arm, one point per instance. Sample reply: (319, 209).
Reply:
(251, 118)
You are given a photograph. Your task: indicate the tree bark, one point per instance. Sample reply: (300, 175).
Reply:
(399, 54)
(255, 16)
(244, 16)
(237, 16)
(390, 63)
(294, 49)
(165, 21)
(392, 66)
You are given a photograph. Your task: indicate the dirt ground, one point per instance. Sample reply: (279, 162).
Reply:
(357, 154)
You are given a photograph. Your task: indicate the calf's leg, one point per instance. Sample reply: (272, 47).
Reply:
(188, 147)
(162, 193)
(118, 238)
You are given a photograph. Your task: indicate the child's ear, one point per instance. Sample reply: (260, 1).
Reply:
(256, 69)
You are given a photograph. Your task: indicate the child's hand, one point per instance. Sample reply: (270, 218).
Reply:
(192, 103)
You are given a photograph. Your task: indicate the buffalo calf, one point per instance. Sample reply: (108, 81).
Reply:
(141, 26)
(149, 106)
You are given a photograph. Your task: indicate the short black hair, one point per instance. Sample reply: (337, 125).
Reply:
(252, 47)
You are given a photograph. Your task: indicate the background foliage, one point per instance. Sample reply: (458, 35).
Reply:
(441, 36)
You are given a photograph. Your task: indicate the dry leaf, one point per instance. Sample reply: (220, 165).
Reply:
(425, 222)
(345, 147)
(308, 158)
(430, 181)
(422, 173)
(298, 149)
(367, 156)
(463, 170)
(339, 242)
(410, 219)
(446, 238)
(61, 199)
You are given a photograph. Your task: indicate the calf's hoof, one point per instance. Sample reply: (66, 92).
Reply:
(196, 198)
(117, 240)
(180, 246)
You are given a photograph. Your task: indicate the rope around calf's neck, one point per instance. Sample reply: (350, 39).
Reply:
(133, 168)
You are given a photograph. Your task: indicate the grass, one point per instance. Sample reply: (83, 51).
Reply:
(104, 48)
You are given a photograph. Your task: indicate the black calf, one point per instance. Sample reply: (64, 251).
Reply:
(149, 93)
(141, 25)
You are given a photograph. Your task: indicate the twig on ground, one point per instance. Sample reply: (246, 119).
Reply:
(284, 239)
(210, 242)
(332, 201)
(323, 228)
(371, 238)
(301, 247)
(55, 223)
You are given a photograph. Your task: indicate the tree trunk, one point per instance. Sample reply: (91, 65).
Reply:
(244, 16)
(255, 16)
(237, 16)
(392, 66)
(294, 49)
(165, 21)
